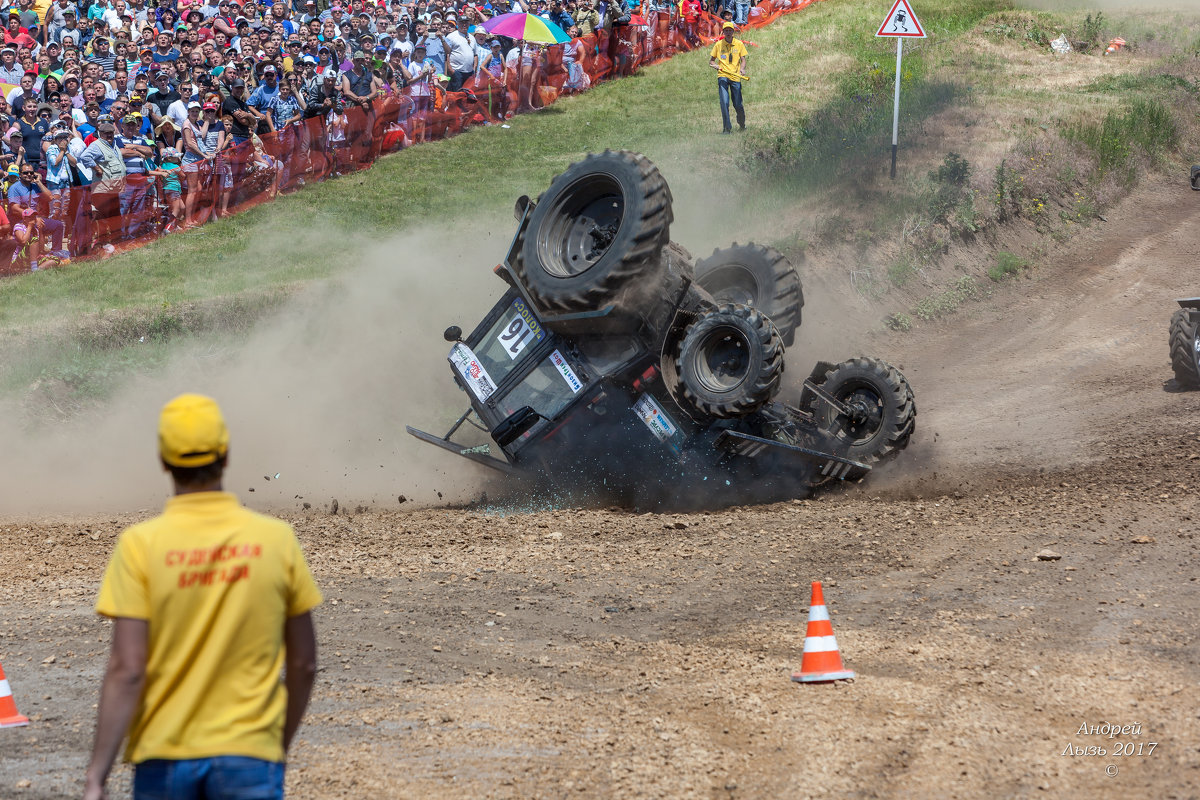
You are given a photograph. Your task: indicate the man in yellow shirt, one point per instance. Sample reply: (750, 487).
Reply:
(728, 58)
(210, 601)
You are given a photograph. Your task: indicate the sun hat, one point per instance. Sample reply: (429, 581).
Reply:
(192, 432)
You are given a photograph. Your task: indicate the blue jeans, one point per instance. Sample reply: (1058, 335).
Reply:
(726, 90)
(218, 778)
(741, 12)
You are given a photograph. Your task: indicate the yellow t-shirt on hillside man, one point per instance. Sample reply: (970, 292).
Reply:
(729, 58)
(216, 582)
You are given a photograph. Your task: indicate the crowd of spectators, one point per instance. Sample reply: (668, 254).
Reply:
(127, 119)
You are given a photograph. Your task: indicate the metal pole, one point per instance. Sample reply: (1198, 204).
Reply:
(896, 109)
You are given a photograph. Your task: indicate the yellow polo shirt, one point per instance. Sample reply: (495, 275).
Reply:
(216, 582)
(729, 58)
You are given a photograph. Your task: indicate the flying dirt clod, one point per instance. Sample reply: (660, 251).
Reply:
(616, 366)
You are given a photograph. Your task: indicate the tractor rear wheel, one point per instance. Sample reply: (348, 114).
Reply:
(599, 228)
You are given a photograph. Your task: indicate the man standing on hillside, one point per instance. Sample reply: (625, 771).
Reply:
(728, 58)
(209, 601)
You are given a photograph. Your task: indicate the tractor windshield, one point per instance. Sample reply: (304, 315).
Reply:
(547, 389)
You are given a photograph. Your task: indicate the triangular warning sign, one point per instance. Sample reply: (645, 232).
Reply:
(901, 21)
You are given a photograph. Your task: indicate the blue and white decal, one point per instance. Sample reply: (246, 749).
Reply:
(568, 374)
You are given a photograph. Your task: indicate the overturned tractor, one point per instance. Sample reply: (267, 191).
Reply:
(616, 364)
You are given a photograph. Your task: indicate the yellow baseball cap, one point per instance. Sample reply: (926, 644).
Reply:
(192, 432)
(728, 26)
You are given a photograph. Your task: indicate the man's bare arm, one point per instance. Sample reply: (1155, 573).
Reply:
(123, 682)
(300, 642)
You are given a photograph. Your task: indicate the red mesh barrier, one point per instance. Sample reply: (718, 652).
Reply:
(316, 149)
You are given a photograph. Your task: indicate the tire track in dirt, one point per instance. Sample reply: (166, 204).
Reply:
(1034, 376)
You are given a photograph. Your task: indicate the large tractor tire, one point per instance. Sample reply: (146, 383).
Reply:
(759, 276)
(883, 415)
(1196, 178)
(730, 362)
(598, 229)
(1185, 348)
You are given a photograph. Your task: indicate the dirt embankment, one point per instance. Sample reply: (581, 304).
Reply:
(600, 653)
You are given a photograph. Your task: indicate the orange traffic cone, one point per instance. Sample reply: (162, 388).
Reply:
(821, 661)
(9, 718)
(1114, 46)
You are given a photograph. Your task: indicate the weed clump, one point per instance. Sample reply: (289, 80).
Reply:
(1007, 265)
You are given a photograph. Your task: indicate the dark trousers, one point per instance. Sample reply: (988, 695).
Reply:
(728, 90)
(458, 79)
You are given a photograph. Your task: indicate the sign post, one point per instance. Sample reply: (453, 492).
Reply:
(901, 23)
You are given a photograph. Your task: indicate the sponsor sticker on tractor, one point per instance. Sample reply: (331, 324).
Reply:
(568, 374)
(651, 413)
(472, 372)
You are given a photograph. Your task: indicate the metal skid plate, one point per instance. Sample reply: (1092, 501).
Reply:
(469, 453)
(1189, 302)
(748, 446)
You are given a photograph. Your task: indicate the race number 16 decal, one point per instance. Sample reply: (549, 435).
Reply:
(522, 329)
(515, 337)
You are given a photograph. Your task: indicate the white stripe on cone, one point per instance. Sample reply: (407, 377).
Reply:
(817, 613)
(820, 644)
(5, 689)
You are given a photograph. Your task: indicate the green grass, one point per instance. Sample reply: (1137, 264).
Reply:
(1146, 126)
(844, 139)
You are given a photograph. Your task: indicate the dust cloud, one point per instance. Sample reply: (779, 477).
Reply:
(319, 395)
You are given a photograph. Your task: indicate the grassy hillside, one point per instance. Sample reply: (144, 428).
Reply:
(810, 167)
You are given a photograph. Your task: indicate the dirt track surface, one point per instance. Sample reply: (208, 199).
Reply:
(603, 653)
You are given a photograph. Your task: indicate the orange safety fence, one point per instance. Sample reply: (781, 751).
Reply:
(88, 223)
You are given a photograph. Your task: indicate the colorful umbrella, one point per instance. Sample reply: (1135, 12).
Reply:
(529, 27)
